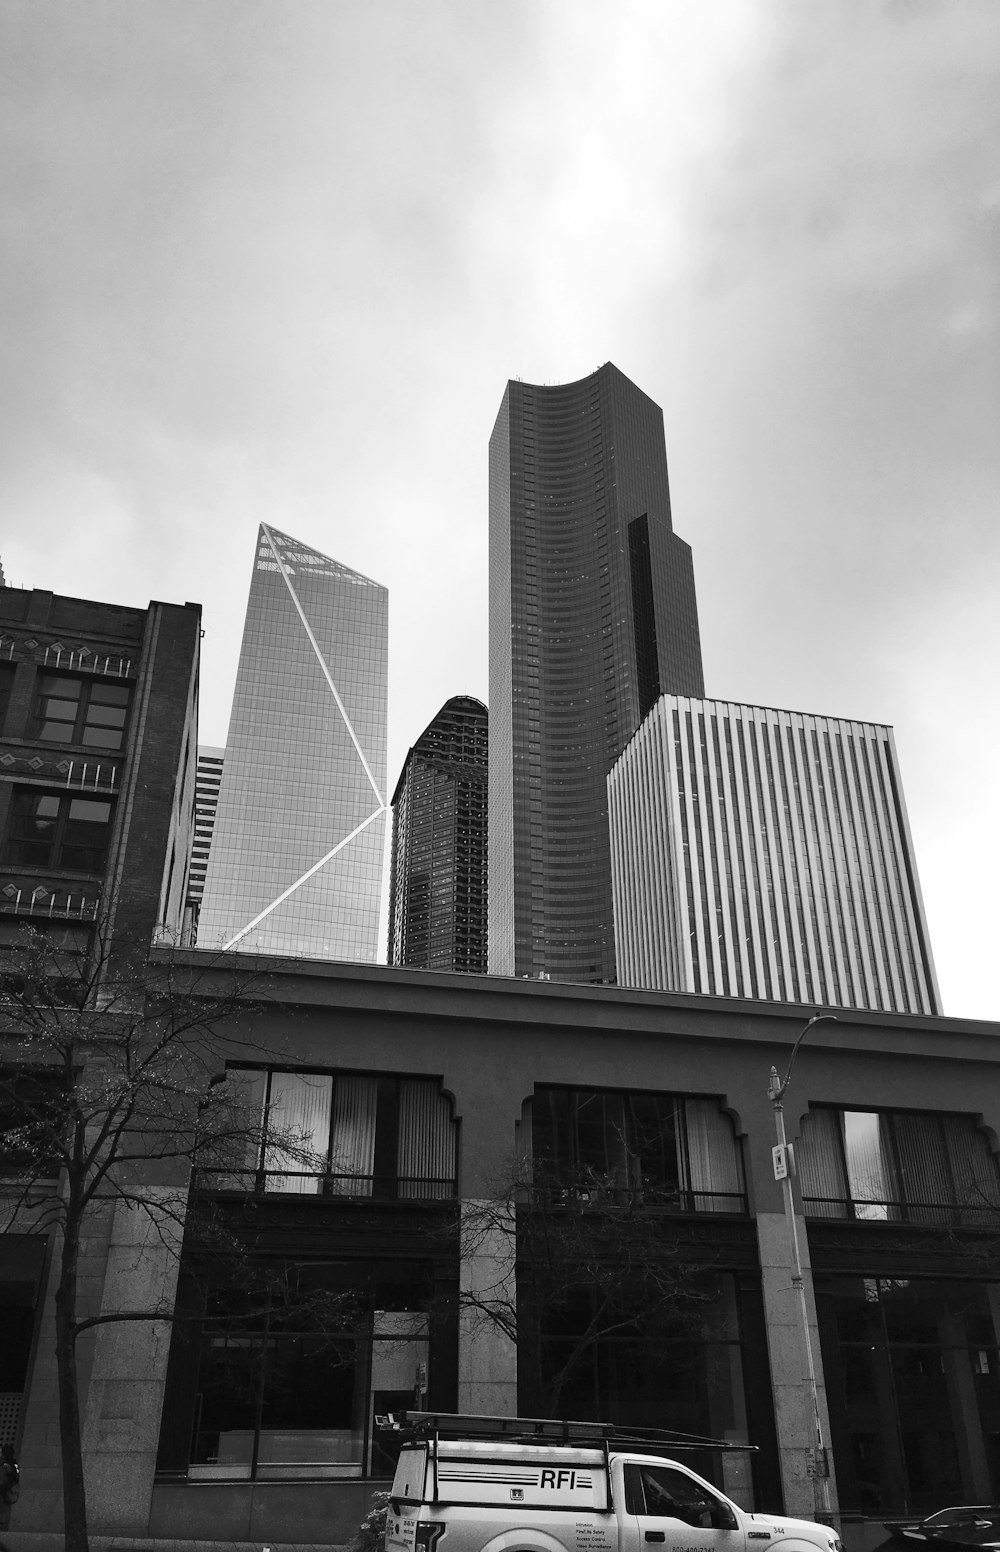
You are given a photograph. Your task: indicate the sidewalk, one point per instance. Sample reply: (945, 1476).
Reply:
(51, 1541)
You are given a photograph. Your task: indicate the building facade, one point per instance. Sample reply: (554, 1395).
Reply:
(645, 1119)
(592, 616)
(98, 726)
(98, 723)
(438, 880)
(296, 861)
(763, 853)
(208, 780)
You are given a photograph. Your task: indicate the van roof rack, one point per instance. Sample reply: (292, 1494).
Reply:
(540, 1430)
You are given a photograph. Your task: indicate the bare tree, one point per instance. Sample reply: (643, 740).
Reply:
(576, 1252)
(113, 1089)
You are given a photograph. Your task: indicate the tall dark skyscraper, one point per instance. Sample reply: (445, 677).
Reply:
(437, 891)
(592, 617)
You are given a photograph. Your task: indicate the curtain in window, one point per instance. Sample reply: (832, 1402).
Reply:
(714, 1167)
(870, 1172)
(426, 1141)
(925, 1175)
(820, 1165)
(352, 1154)
(299, 1118)
(973, 1169)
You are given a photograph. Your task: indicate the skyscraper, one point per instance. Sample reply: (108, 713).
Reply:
(592, 616)
(762, 853)
(297, 854)
(437, 889)
(208, 780)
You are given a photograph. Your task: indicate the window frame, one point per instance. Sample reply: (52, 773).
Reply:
(385, 1183)
(80, 725)
(630, 1177)
(56, 843)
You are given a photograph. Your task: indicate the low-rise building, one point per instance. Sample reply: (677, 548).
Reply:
(453, 1118)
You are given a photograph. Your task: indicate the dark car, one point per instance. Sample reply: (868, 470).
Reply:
(961, 1525)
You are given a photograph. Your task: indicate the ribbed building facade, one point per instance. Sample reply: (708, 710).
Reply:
(592, 616)
(763, 853)
(296, 860)
(437, 886)
(208, 780)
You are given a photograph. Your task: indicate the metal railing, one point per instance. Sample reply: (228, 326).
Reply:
(291, 1182)
(922, 1214)
(679, 1199)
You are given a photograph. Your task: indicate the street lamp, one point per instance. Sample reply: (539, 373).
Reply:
(820, 1462)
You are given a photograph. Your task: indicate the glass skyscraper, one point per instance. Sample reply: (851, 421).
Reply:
(296, 860)
(592, 616)
(763, 853)
(437, 887)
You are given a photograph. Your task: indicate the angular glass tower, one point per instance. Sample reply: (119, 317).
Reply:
(592, 616)
(296, 860)
(437, 887)
(763, 853)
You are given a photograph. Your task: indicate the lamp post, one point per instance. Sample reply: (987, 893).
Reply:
(819, 1468)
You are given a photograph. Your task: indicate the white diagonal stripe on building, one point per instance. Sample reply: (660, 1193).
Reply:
(299, 881)
(322, 663)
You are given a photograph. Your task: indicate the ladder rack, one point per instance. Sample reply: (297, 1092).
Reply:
(545, 1430)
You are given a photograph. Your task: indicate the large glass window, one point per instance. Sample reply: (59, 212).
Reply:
(912, 1371)
(897, 1166)
(48, 830)
(7, 672)
(344, 1134)
(287, 1372)
(679, 1153)
(32, 1118)
(81, 711)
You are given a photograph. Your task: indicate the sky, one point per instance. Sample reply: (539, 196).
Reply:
(274, 262)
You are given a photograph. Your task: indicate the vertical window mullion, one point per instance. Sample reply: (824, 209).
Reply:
(261, 1182)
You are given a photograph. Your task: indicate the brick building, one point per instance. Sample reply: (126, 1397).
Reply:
(98, 713)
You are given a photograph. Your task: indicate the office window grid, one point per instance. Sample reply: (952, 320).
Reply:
(438, 879)
(208, 781)
(764, 853)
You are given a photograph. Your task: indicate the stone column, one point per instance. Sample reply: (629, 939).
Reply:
(122, 1428)
(793, 1412)
(957, 1362)
(487, 1355)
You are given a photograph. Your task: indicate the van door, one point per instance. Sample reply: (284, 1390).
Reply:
(673, 1509)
